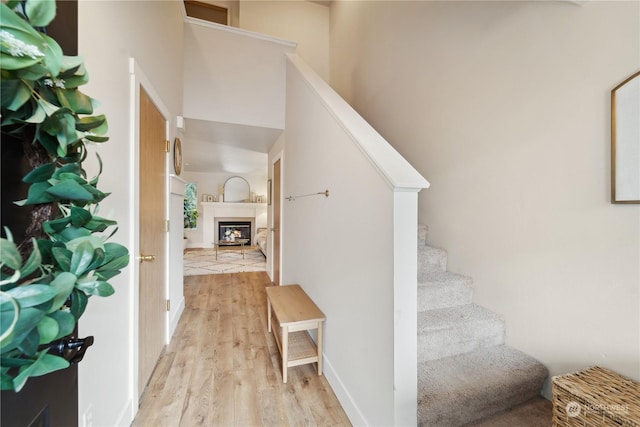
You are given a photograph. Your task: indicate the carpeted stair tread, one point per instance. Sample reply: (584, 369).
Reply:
(448, 331)
(444, 289)
(430, 259)
(537, 412)
(460, 389)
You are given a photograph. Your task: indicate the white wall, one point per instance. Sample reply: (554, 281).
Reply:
(109, 33)
(233, 76)
(301, 21)
(505, 107)
(211, 183)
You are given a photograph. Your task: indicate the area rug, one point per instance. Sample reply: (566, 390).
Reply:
(203, 261)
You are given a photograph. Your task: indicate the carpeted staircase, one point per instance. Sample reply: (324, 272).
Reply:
(465, 372)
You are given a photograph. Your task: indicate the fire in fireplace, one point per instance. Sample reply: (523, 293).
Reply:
(240, 230)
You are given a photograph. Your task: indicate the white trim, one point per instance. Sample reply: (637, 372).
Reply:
(239, 31)
(138, 78)
(270, 269)
(342, 393)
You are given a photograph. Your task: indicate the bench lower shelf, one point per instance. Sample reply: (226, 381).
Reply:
(302, 349)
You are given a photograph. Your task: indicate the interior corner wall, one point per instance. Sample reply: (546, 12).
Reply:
(505, 107)
(109, 33)
(301, 21)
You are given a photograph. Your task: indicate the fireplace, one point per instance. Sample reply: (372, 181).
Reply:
(240, 229)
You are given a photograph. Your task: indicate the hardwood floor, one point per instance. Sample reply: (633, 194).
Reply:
(222, 367)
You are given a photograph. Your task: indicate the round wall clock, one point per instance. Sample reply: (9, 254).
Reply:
(177, 156)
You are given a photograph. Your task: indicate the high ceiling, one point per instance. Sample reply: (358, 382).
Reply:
(226, 147)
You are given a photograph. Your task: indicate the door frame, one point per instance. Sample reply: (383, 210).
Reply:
(138, 78)
(274, 159)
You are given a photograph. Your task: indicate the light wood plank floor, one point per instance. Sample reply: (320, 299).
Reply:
(222, 367)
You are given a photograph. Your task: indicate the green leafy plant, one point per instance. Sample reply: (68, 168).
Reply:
(190, 211)
(65, 257)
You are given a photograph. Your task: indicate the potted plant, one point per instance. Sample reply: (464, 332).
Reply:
(63, 257)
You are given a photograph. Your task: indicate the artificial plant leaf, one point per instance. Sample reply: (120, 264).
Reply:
(71, 176)
(47, 330)
(33, 261)
(44, 364)
(49, 142)
(40, 174)
(79, 216)
(73, 168)
(37, 194)
(48, 108)
(29, 344)
(10, 255)
(98, 195)
(32, 294)
(22, 95)
(96, 138)
(49, 363)
(66, 133)
(90, 123)
(53, 55)
(115, 264)
(71, 233)
(34, 72)
(98, 224)
(69, 190)
(38, 115)
(63, 285)
(79, 302)
(74, 64)
(94, 241)
(12, 3)
(21, 46)
(40, 12)
(14, 94)
(98, 259)
(56, 225)
(9, 316)
(66, 322)
(97, 287)
(115, 250)
(77, 101)
(63, 257)
(81, 258)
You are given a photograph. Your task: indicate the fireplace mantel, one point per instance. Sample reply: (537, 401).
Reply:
(257, 212)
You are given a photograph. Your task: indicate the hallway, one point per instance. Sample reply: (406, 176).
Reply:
(222, 367)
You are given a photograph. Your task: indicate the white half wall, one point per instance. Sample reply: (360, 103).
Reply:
(347, 251)
(233, 76)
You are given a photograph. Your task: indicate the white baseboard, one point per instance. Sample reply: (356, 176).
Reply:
(348, 404)
(127, 414)
(173, 322)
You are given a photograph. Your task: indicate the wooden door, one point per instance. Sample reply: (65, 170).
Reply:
(152, 295)
(275, 200)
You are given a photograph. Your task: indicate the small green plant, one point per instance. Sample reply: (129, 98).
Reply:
(190, 211)
(46, 279)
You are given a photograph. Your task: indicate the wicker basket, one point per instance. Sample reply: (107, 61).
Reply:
(595, 397)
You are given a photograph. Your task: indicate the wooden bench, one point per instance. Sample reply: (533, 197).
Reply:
(294, 314)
